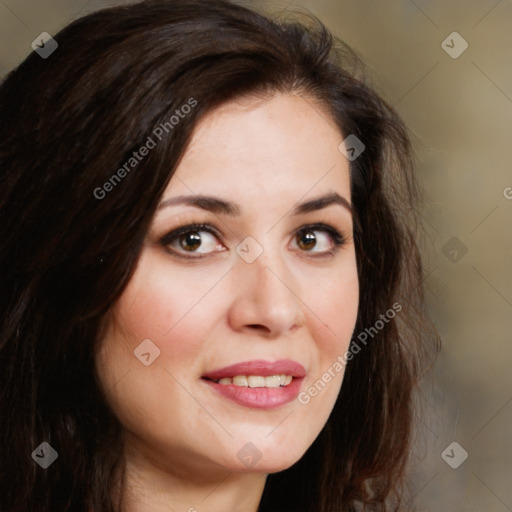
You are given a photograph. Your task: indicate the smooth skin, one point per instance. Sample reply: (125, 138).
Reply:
(205, 307)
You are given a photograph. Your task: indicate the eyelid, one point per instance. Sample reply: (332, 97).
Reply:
(319, 226)
(174, 233)
(337, 237)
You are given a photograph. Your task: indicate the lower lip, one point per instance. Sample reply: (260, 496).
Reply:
(259, 398)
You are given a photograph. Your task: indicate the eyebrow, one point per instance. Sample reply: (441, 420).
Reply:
(322, 202)
(209, 203)
(216, 205)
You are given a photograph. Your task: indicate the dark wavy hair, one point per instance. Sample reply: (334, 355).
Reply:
(66, 124)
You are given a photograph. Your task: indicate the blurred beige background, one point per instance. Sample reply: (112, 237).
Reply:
(458, 107)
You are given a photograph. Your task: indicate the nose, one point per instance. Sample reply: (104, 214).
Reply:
(265, 298)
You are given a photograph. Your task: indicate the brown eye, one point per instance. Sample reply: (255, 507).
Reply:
(306, 240)
(318, 239)
(190, 241)
(194, 239)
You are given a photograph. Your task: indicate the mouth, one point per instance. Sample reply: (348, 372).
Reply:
(258, 384)
(256, 381)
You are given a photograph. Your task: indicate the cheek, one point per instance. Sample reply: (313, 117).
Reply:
(151, 312)
(335, 306)
(168, 311)
(165, 307)
(339, 311)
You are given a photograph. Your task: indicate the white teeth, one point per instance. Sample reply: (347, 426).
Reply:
(240, 380)
(274, 381)
(257, 381)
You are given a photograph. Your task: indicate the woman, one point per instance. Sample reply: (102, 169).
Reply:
(211, 288)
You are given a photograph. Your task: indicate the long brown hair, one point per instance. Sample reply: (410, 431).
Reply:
(67, 124)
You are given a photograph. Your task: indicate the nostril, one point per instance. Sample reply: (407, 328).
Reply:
(259, 327)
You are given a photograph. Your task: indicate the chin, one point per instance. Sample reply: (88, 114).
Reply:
(266, 461)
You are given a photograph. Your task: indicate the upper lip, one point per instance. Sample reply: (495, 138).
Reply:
(259, 367)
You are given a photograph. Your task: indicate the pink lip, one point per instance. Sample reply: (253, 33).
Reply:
(259, 367)
(259, 398)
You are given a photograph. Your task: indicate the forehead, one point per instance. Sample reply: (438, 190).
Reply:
(280, 147)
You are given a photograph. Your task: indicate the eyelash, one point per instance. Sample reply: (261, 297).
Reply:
(337, 238)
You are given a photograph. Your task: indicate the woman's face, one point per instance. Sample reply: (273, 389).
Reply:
(262, 285)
